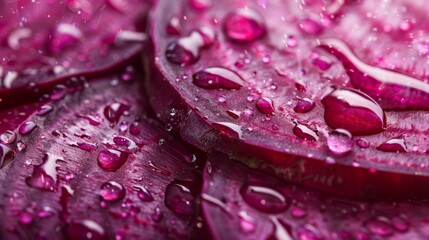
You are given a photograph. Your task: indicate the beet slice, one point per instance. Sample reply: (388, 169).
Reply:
(235, 200)
(45, 43)
(94, 166)
(267, 110)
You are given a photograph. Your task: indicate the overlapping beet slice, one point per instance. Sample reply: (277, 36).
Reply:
(47, 42)
(277, 83)
(94, 166)
(241, 203)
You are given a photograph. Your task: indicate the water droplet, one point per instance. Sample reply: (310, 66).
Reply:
(264, 197)
(45, 109)
(124, 144)
(304, 105)
(44, 176)
(85, 230)
(304, 132)
(114, 111)
(200, 5)
(112, 191)
(58, 92)
(353, 111)
(244, 25)
(185, 50)
(247, 222)
(88, 147)
(8, 137)
(229, 128)
(111, 160)
(46, 212)
(143, 194)
(397, 145)
(340, 142)
(64, 36)
(309, 232)
(173, 26)
(321, 62)
(27, 127)
(217, 77)
(393, 90)
(298, 212)
(26, 217)
(362, 143)
(157, 215)
(265, 105)
(379, 226)
(281, 231)
(179, 199)
(400, 223)
(21, 145)
(135, 128)
(311, 27)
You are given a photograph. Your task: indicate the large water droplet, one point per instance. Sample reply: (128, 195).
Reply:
(265, 105)
(397, 144)
(111, 160)
(27, 127)
(264, 197)
(44, 176)
(244, 25)
(217, 77)
(340, 142)
(85, 230)
(8, 137)
(393, 90)
(179, 199)
(112, 191)
(354, 111)
(304, 132)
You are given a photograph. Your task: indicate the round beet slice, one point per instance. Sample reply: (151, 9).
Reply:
(46, 43)
(308, 91)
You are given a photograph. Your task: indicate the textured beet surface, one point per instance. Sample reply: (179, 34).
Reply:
(305, 51)
(95, 167)
(45, 41)
(232, 213)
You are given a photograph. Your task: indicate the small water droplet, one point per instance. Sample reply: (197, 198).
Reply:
(311, 27)
(264, 197)
(114, 111)
(304, 105)
(200, 5)
(247, 222)
(173, 26)
(244, 25)
(21, 145)
(217, 77)
(46, 212)
(340, 142)
(186, 50)
(265, 105)
(362, 143)
(304, 132)
(27, 127)
(229, 128)
(64, 36)
(112, 191)
(45, 109)
(111, 160)
(143, 194)
(8, 137)
(396, 144)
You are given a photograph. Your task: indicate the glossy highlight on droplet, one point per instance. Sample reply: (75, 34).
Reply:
(397, 144)
(112, 191)
(265, 105)
(111, 160)
(244, 25)
(264, 197)
(304, 132)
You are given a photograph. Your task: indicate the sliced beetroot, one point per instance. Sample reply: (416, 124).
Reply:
(295, 212)
(54, 187)
(298, 75)
(44, 43)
